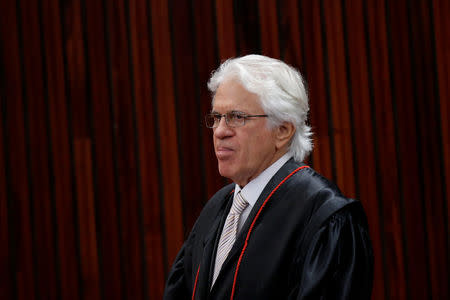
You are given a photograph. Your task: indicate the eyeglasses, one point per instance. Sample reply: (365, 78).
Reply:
(232, 118)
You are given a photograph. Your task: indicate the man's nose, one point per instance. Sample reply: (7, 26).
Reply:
(222, 130)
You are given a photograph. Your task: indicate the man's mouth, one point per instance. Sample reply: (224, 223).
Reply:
(223, 152)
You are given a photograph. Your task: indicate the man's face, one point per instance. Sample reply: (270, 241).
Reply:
(242, 152)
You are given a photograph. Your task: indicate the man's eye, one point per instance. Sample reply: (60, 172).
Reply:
(237, 116)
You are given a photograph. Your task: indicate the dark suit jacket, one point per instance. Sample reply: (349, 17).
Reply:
(280, 253)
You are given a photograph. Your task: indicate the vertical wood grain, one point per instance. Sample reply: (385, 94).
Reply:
(146, 119)
(314, 63)
(428, 120)
(247, 26)
(88, 228)
(9, 88)
(439, 12)
(24, 267)
(60, 152)
(35, 102)
(125, 155)
(225, 29)
(268, 20)
(6, 276)
(101, 134)
(207, 59)
(338, 93)
(409, 160)
(385, 134)
(167, 126)
(363, 110)
(74, 65)
(188, 111)
(290, 35)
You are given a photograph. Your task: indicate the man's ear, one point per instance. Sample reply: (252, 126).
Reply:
(284, 133)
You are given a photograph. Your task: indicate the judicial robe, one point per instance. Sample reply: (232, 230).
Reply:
(302, 240)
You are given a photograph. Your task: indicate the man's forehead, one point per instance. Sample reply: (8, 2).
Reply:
(228, 102)
(228, 106)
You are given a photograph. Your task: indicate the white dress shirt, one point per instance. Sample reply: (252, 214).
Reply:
(254, 188)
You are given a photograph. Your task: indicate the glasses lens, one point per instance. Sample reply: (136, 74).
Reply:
(235, 119)
(210, 120)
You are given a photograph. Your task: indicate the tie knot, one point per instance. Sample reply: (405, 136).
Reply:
(239, 204)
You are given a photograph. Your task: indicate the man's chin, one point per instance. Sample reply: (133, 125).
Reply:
(225, 170)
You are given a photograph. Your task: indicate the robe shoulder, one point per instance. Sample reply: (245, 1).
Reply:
(339, 261)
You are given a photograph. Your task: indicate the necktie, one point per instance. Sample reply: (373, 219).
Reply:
(229, 232)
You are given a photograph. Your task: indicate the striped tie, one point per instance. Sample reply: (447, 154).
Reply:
(229, 232)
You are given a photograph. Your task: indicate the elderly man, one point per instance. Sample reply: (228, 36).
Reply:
(281, 230)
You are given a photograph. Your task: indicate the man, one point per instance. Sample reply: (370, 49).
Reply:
(281, 230)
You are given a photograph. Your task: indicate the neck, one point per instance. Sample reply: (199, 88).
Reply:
(277, 155)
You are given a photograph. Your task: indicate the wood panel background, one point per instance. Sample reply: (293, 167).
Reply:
(105, 163)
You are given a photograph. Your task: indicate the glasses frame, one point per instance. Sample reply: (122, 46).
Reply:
(227, 116)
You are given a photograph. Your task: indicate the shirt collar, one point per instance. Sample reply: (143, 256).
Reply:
(254, 188)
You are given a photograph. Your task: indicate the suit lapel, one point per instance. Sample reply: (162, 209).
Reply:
(209, 249)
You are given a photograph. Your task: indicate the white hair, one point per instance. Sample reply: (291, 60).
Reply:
(281, 91)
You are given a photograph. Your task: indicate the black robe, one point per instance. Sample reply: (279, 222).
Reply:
(302, 240)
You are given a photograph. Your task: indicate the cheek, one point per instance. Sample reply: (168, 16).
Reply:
(263, 145)
(251, 149)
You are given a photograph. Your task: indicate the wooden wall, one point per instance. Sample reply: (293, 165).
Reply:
(105, 163)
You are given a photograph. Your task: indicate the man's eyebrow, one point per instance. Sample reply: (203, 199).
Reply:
(230, 111)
